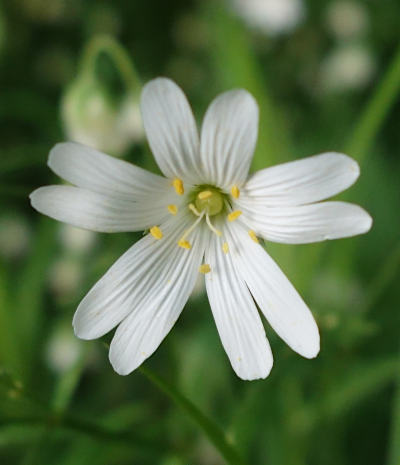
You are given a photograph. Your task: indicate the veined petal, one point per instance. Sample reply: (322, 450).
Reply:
(228, 138)
(95, 211)
(302, 181)
(171, 129)
(151, 319)
(131, 282)
(307, 223)
(277, 298)
(90, 169)
(238, 322)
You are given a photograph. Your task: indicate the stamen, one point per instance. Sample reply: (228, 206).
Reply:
(235, 191)
(156, 232)
(178, 186)
(225, 247)
(213, 229)
(234, 215)
(173, 209)
(182, 241)
(204, 195)
(252, 234)
(184, 244)
(205, 268)
(194, 209)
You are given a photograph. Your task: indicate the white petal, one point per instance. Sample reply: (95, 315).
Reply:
(308, 223)
(278, 300)
(152, 317)
(228, 138)
(236, 316)
(94, 211)
(171, 129)
(302, 181)
(88, 168)
(129, 282)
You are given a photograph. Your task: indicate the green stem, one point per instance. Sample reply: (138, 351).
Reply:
(89, 428)
(68, 382)
(208, 426)
(376, 110)
(387, 273)
(106, 44)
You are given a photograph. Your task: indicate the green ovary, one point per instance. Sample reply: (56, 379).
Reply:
(209, 200)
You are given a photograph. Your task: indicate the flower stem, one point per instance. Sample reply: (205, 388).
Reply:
(375, 111)
(209, 427)
(106, 44)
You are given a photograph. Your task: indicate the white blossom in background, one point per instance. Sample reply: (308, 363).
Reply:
(14, 235)
(91, 117)
(206, 215)
(347, 19)
(76, 240)
(62, 349)
(65, 277)
(348, 67)
(272, 17)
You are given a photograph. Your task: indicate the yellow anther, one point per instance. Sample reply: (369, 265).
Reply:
(205, 268)
(156, 232)
(204, 195)
(173, 209)
(225, 247)
(184, 244)
(178, 186)
(252, 234)
(234, 215)
(235, 191)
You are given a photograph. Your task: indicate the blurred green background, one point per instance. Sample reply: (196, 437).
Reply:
(326, 75)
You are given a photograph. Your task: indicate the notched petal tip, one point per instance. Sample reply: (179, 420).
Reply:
(253, 373)
(57, 151)
(81, 332)
(311, 350)
(37, 197)
(351, 163)
(367, 221)
(120, 370)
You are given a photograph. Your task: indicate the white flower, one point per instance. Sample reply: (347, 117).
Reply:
(91, 117)
(347, 19)
(271, 16)
(206, 215)
(348, 67)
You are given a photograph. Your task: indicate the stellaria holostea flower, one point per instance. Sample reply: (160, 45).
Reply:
(206, 215)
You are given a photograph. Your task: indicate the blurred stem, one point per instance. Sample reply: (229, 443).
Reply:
(236, 65)
(208, 426)
(394, 441)
(68, 383)
(29, 308)
(9, 355)
(375, 111)
(89, 428)
(108, 45)
(383, 278)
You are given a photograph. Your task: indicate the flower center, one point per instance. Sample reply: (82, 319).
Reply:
(210, 201)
